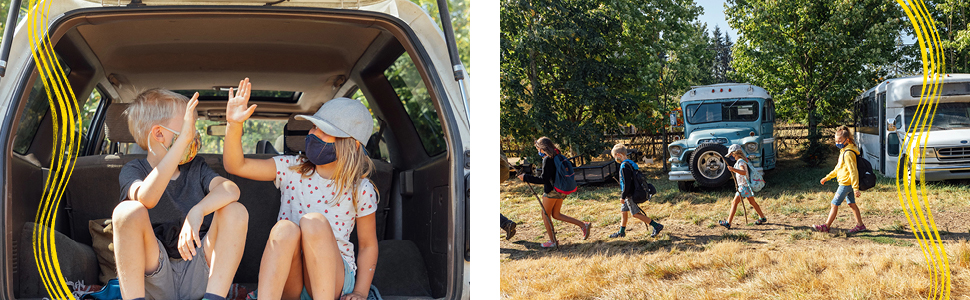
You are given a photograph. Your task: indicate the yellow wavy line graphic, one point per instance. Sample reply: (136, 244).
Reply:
(64, 114)
(912, 198)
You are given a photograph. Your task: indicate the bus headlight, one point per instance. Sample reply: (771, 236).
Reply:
(929, 152)
(675, 150)
(752, 147)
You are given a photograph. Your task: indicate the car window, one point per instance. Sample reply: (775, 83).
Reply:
(34, 112)
(88, 111)
(410, 88)
(253, 132)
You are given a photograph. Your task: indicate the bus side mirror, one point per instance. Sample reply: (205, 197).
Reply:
(891, 124)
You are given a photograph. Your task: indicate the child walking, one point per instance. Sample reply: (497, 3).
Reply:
(740, 171)
(628, 170)
(552, 199)
(309, 250)
(848, 177)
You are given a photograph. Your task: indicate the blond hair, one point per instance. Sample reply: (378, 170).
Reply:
(150, 108)
(843, 132)
(619, 149)
(351, 169)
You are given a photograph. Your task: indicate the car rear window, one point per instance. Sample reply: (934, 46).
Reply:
(409, 86)
(253, 132)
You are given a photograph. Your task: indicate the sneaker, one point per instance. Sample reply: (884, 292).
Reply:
(724, 223)
(509, 231)
(656, 230)
(549, 244)
(761, 221)
(821, 228)
(618, 234)
(859, 228)
(586, 230)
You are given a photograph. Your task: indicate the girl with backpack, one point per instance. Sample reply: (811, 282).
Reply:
(847, 173)
(628, 175)
(552, 198)
(741, 173)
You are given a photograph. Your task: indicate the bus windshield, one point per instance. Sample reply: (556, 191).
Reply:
(728, 111)
(947, 116)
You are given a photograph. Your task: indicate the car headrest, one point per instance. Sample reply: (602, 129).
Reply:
(116, 124)
(294, 135)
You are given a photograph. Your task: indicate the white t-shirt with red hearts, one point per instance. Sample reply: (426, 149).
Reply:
(301, 196)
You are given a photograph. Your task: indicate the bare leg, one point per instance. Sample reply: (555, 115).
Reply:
(643, 217)
(294, 280)
(734, 208)
(324, 265)
(136, 249)
(282, 246)
(858, 214)
(625, 215)
(224, 245)
(547, 205)
(832, 213)
(556, 214)
(757, 207)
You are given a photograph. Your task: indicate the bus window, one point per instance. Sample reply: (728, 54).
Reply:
(892, 145)
(947, 116)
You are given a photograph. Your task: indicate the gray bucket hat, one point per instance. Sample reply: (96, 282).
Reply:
(343, 117)
(734, 147)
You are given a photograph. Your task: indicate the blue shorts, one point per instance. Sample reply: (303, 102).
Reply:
(844, 191)
(744, 191)
(349, 281)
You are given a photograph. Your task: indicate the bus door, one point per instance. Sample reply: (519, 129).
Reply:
(882, 131)
(768, 135)
(893, 143)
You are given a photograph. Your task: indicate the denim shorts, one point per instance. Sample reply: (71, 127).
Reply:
(554, 194)
(630, 206)
(744, 191)
(349, 281)
(844, 192)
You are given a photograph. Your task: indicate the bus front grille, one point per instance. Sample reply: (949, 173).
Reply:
(953, 153)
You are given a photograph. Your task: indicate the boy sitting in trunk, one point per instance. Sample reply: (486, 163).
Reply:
(165, 240)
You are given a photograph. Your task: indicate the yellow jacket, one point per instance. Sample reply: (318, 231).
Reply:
(846, 169)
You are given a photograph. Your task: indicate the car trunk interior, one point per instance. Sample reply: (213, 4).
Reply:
(320, 53)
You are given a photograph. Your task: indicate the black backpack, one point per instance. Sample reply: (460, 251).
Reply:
(867, 179)
(642, 190)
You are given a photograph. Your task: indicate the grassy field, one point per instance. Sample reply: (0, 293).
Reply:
(696, 259)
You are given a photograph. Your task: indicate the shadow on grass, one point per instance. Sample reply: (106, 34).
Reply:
(624, 246)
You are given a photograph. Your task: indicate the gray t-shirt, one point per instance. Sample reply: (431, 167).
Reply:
(180, 196)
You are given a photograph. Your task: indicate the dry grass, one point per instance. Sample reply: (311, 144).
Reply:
(695, 259)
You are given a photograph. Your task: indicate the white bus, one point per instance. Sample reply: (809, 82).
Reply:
(883, 115)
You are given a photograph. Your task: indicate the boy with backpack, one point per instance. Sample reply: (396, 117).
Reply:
(743, 173)
(632, 192)
(847, 172)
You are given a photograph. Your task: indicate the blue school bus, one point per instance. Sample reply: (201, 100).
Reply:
(716, 116)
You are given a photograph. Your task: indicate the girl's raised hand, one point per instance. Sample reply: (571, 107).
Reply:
(236, 110)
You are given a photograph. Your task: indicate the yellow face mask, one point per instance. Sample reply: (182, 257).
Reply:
(190, 151)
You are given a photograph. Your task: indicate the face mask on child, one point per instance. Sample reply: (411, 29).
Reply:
(839, 145)
(542, 155)
(320, 152)
(190, 151)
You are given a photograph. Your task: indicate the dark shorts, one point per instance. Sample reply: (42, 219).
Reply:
(630, 206)
(177, 278)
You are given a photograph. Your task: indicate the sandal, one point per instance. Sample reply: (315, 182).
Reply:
(725, 224)
(859, 228)
(821, 228)
(618, 234)
(761, 221)
(586, 230)
(549, 244)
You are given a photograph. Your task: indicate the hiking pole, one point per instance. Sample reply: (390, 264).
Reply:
(544, 213)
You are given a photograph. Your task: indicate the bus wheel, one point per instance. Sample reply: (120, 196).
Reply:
(708, 166)
(685, 186)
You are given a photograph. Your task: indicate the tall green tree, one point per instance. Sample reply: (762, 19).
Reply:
(814, 57)
(458, 9)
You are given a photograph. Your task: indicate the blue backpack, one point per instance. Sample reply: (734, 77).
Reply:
(565, 181)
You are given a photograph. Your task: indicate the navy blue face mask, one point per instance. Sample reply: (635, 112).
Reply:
(542, 154)
(320, 152)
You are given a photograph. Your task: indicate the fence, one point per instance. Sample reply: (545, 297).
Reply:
(788, 137)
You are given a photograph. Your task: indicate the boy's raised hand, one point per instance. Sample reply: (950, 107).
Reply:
(236, 110)
(188, 126)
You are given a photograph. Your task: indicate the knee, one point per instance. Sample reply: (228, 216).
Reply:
(126, 212)
(315, 227)
(284, 230)
(235, 214)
